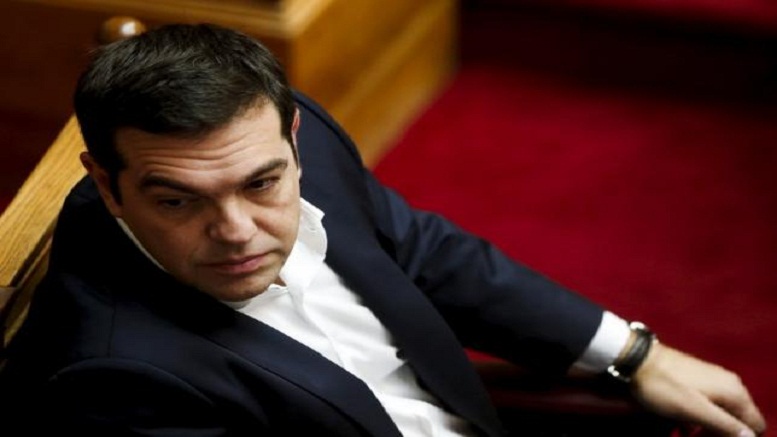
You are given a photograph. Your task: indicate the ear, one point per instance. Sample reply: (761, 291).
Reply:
(295, 126)
(294, 129)
(103, 182)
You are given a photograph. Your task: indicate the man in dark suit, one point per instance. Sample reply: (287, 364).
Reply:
(230, 268)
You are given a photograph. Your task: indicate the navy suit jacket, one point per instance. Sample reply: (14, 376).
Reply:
(115, 346)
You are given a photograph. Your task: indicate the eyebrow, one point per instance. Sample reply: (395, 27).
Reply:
(154, 181)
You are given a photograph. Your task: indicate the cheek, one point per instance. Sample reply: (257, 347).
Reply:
(279, 222)
(169, 244)
(282, 217)
(178, 245)
(282, 222)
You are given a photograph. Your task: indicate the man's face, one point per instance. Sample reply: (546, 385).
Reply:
(220, 212)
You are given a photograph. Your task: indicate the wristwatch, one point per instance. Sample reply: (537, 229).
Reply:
(624, 367)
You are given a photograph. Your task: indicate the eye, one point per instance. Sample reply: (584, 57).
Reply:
(262, 184)
(174, 203)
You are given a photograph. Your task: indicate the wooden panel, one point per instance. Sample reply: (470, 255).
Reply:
(38, 202)
(412, 70)
(281, 19)
(334, 50)
(43, 51)
(380, 68)
(26, 226)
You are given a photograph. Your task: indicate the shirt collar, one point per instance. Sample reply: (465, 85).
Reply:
(309, 251)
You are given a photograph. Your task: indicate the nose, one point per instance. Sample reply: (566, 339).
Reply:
(233, 224)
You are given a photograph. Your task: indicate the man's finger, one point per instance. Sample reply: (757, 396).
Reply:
(740, 404)
(716, 419)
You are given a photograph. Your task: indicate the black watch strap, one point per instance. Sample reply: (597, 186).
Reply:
(623, 369)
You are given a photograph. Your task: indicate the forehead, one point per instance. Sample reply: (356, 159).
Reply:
(247, 141)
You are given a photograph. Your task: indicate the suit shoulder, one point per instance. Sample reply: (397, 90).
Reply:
(317, 118)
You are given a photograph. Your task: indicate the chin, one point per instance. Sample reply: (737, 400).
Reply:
(234, 295)
(238, 292)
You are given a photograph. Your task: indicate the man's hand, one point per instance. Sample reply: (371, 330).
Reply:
(698, 393)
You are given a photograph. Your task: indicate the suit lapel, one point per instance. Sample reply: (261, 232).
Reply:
(285, 357)
(279, 354)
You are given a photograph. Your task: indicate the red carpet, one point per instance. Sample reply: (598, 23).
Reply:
(662, 210)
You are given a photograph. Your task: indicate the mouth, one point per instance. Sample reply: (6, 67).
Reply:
(237, 266)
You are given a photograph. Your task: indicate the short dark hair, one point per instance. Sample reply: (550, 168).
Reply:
(178, 79)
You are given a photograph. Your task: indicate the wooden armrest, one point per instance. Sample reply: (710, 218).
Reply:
(27, 223)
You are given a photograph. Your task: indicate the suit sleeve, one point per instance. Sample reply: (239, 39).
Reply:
(493, 303)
